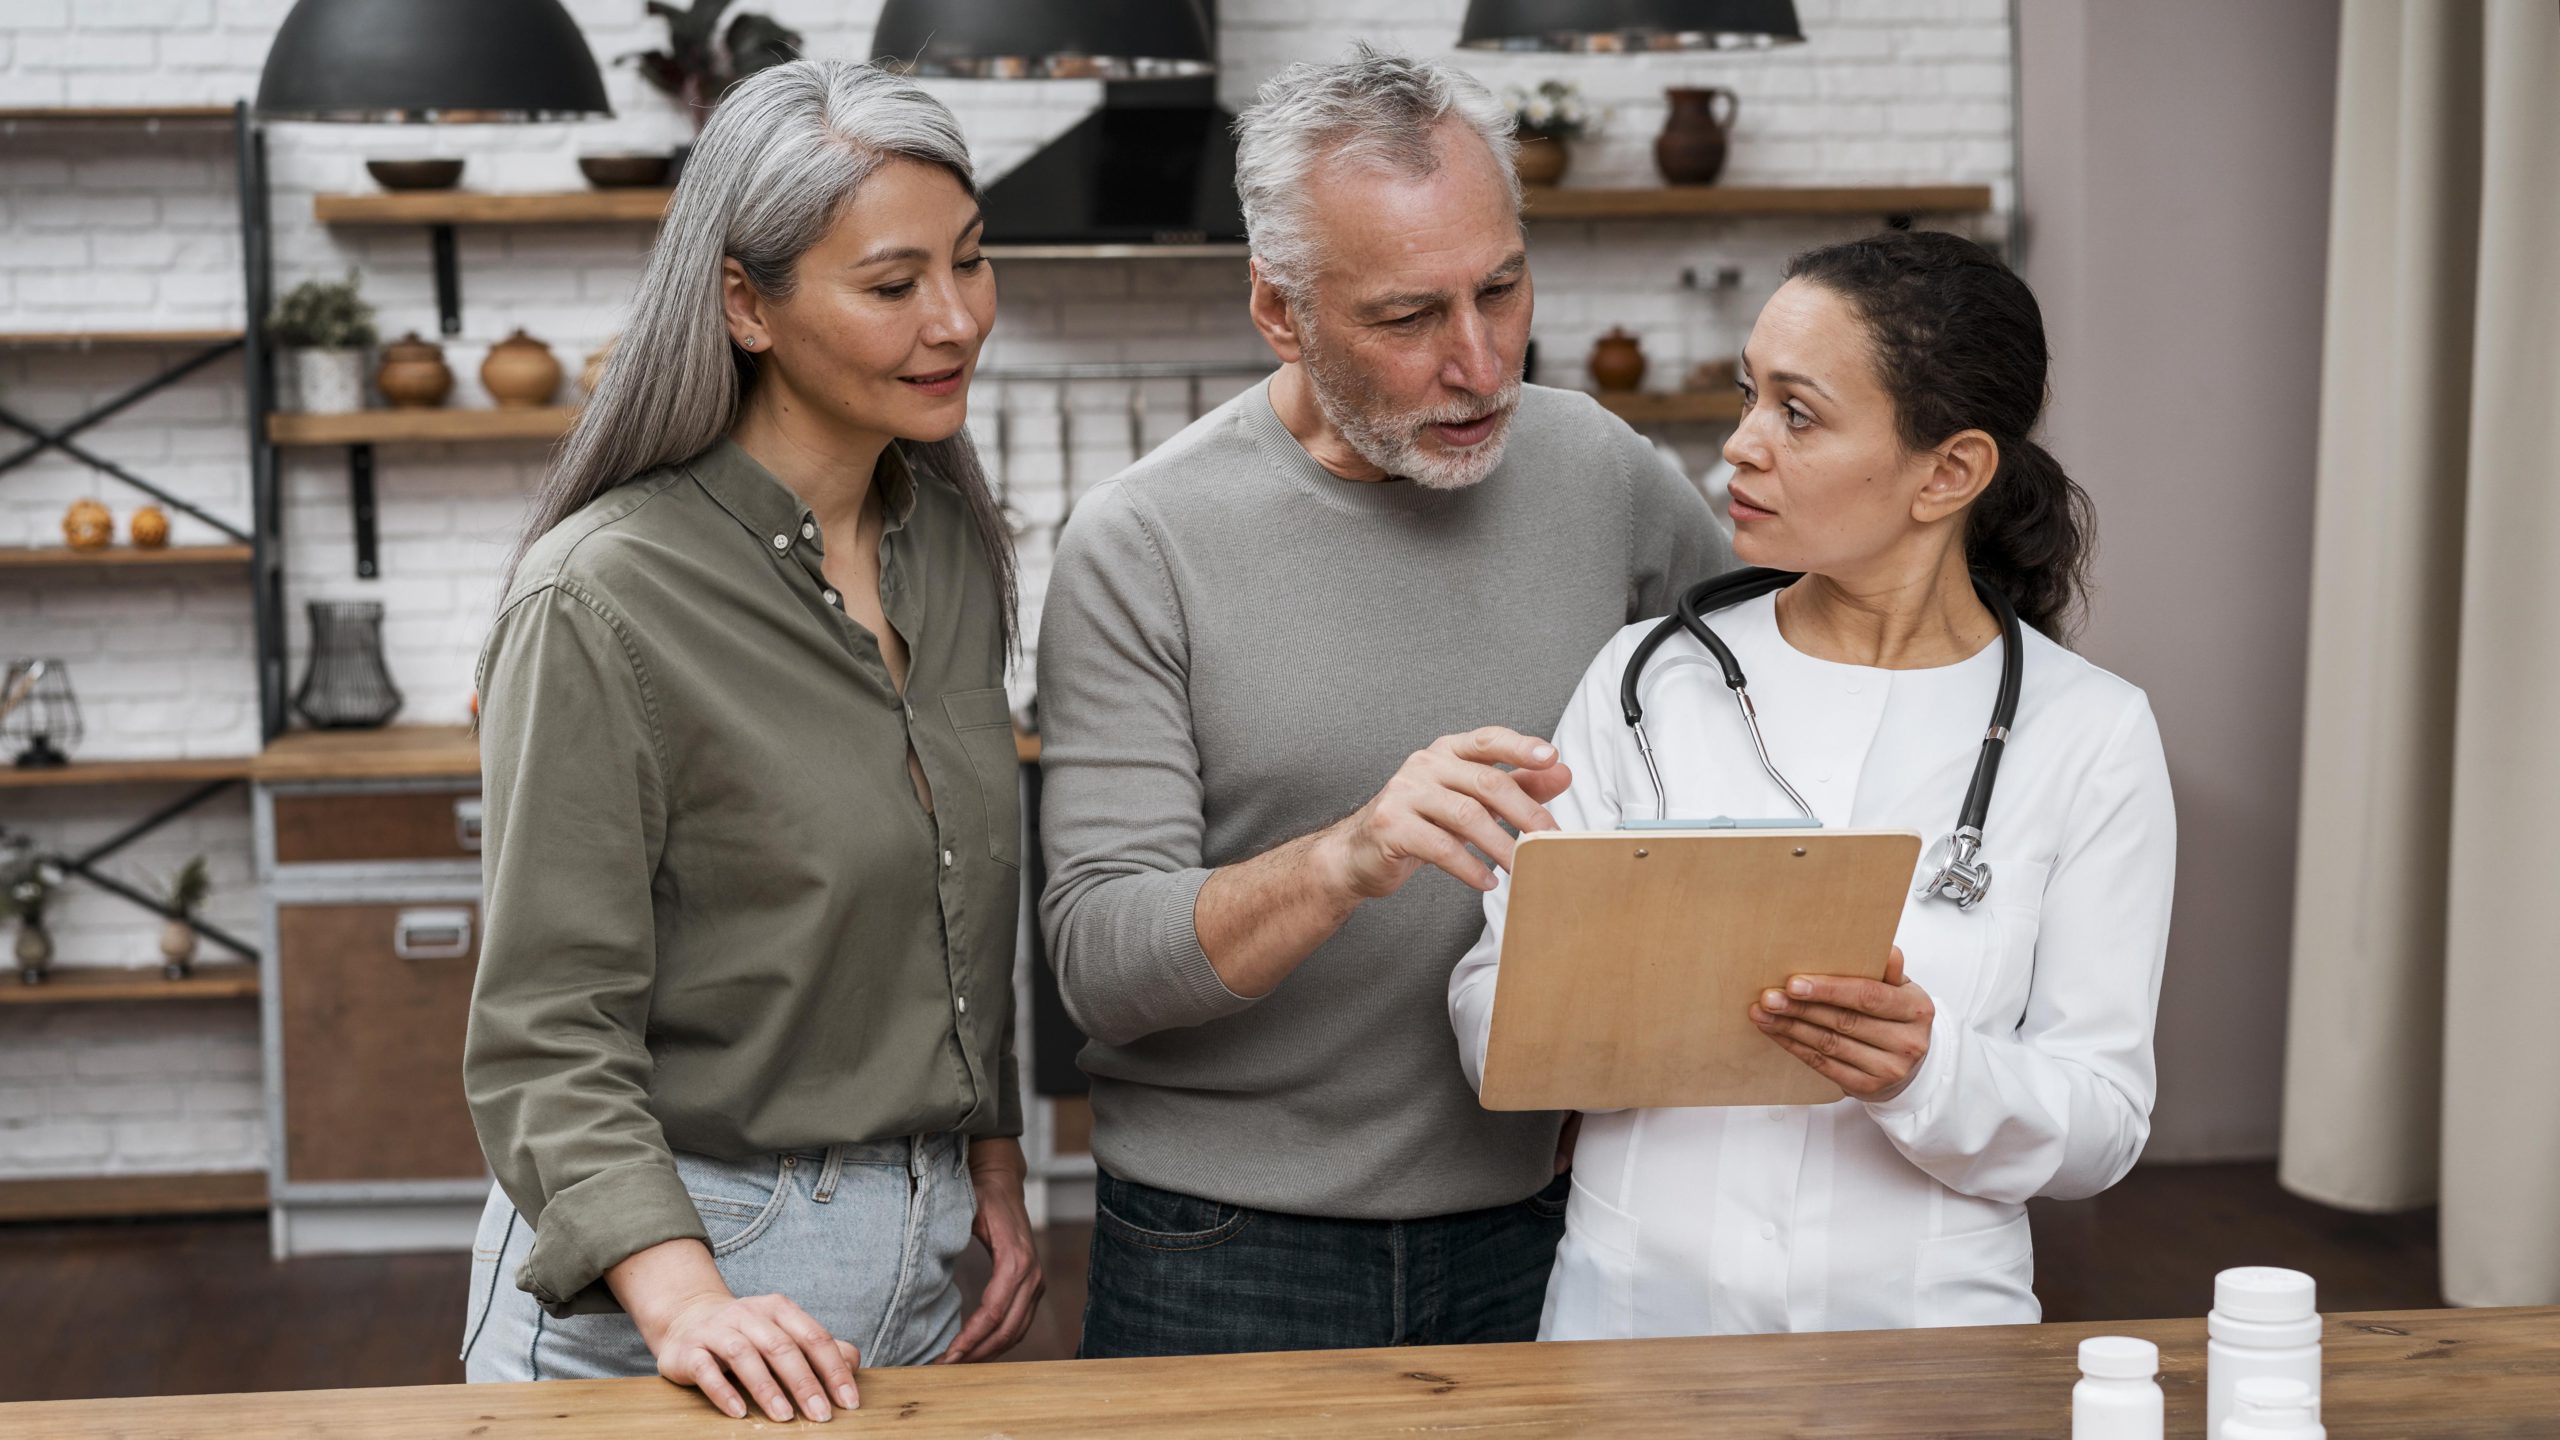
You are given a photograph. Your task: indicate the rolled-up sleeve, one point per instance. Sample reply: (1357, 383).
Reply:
(1121, 810)
(555, 1066)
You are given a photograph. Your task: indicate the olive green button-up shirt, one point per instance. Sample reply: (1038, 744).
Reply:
(719, 919)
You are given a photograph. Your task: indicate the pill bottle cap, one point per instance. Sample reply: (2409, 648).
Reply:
(2272, 1398)
(2262, 1292)
(2119, 1357)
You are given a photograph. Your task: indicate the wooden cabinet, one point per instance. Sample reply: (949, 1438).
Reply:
(373, 999)
(416, 825)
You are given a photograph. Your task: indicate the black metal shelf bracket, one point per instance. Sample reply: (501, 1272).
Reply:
(360, 506)
(448, 280)
(40, 439)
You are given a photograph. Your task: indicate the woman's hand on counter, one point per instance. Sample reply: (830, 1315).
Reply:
(706, 1337)
(1866, 1036)
(1003, 1316)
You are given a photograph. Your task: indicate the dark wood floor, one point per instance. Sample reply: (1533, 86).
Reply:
(195, 1306)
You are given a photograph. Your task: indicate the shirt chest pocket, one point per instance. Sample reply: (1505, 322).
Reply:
(984, 723)
(1978, 963)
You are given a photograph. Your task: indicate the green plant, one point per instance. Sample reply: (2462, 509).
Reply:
(699, 64)
(27, 882)
(323, 314)
(1554, 110)
(186, 890)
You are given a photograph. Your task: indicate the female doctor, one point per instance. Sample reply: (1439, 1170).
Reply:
(1889, 388)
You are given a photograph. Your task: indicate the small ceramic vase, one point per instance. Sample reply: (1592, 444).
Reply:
(1691, 148)
(413, 374)
(1543, 159)
(520, 372)
(1617, 361)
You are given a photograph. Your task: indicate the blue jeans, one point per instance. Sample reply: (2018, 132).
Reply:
(1174, 1275)
(862, 1236)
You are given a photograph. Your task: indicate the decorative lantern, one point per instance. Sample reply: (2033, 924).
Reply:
(39, 717)
(347, 687)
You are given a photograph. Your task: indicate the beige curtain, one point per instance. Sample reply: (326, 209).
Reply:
(2423, 1039)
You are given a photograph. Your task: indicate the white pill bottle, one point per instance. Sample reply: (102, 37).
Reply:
(2265, 1323)
(2271, 1409)
(2117, 1398)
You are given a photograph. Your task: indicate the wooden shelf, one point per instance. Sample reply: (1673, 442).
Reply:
(125, 557)
(1549, 202)
(80, 985)
(376, 427)
(112, 114)
(394, 752)
(84, 773)
(473, 207)
(119, 1196)
(105, 339)
(1672, 407)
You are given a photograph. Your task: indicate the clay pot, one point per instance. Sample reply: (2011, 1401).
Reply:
(1617, 361)
(413, 374)
(1543, 159)
(88, 525)
(1690, 150)
(591, 374)
(35, 952)
(149, 528)
(177, 949)
(1712, 376)
(520, 372)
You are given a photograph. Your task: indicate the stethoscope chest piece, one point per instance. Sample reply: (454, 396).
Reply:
(1957, 871)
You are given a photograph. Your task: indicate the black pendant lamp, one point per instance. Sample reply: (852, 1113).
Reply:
(1047, 39)
(1628, 26)
(452, 61)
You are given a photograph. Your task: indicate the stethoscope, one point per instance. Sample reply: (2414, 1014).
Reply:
(1962, 875)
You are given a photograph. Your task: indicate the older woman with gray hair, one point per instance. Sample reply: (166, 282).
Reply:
(1294, 670)
(740, 1048)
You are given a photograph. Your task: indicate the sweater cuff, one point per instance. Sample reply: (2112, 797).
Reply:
(1178, 940)
(597, 1224)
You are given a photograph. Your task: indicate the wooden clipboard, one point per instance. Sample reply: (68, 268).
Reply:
(1630, 960)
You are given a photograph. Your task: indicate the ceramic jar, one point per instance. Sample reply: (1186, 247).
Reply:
(1691, 148)
(1542, 160)
(1617, 361)
(413, 374)
(520, 372)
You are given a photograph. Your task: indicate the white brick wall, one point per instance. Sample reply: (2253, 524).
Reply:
(102, 228)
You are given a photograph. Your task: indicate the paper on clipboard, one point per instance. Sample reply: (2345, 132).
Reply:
(1630, 961)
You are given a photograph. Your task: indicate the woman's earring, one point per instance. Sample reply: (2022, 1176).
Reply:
(749, 342)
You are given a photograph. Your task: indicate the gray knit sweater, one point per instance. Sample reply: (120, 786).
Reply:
(1240, 648)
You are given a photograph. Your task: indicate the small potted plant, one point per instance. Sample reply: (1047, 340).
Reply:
(700, 63)
(27, 883)
(185, 893)
(321, 332)
(1545, 118)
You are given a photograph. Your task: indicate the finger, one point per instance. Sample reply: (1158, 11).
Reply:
(1496, 745)
(852, 1354)
(982, 1323)
(1899, 1034)
(1017, 1321)
(1851, 1082)
(826, 1355)
(1421, 840)
(1856, 1054)
(1544, 785)
(1893, 971)
(1905, 1001)
(747, 1363)
(1466, 817)
(703, 1373)
(790, 1368)
(1500, 793)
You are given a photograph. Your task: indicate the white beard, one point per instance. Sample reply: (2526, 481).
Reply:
(1393, 441)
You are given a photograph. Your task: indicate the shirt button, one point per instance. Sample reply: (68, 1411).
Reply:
(1769, 1231)
(1777, 1112)
(808, 531)
(1856, 689)
(964, 1004)
(781, 542)
(831, 597)
(946, 859)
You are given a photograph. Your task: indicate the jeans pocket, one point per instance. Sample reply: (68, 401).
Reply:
(1549, 1204)
(737, 1199)
(1156, 1219)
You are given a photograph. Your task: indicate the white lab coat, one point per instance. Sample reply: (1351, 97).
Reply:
(2039, 1075)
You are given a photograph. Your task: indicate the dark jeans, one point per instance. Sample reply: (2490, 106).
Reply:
(1174, 1275)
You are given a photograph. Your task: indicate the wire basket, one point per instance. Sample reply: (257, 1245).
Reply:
(347, 687)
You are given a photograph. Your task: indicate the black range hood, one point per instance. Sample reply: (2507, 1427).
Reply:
(1156, 165)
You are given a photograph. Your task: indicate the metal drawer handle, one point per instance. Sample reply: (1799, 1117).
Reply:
(466, 824)
(431, 934)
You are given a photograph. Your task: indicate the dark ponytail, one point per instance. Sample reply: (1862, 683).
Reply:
(1959, 345)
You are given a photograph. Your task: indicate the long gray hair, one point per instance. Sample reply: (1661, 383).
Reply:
(786, 151)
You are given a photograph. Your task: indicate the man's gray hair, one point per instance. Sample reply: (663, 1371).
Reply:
(1375, 109)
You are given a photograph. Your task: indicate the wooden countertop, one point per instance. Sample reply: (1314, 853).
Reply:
(409, 752)
(2437, 1373)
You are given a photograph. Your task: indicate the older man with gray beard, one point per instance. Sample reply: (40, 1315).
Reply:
(1263, 865)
